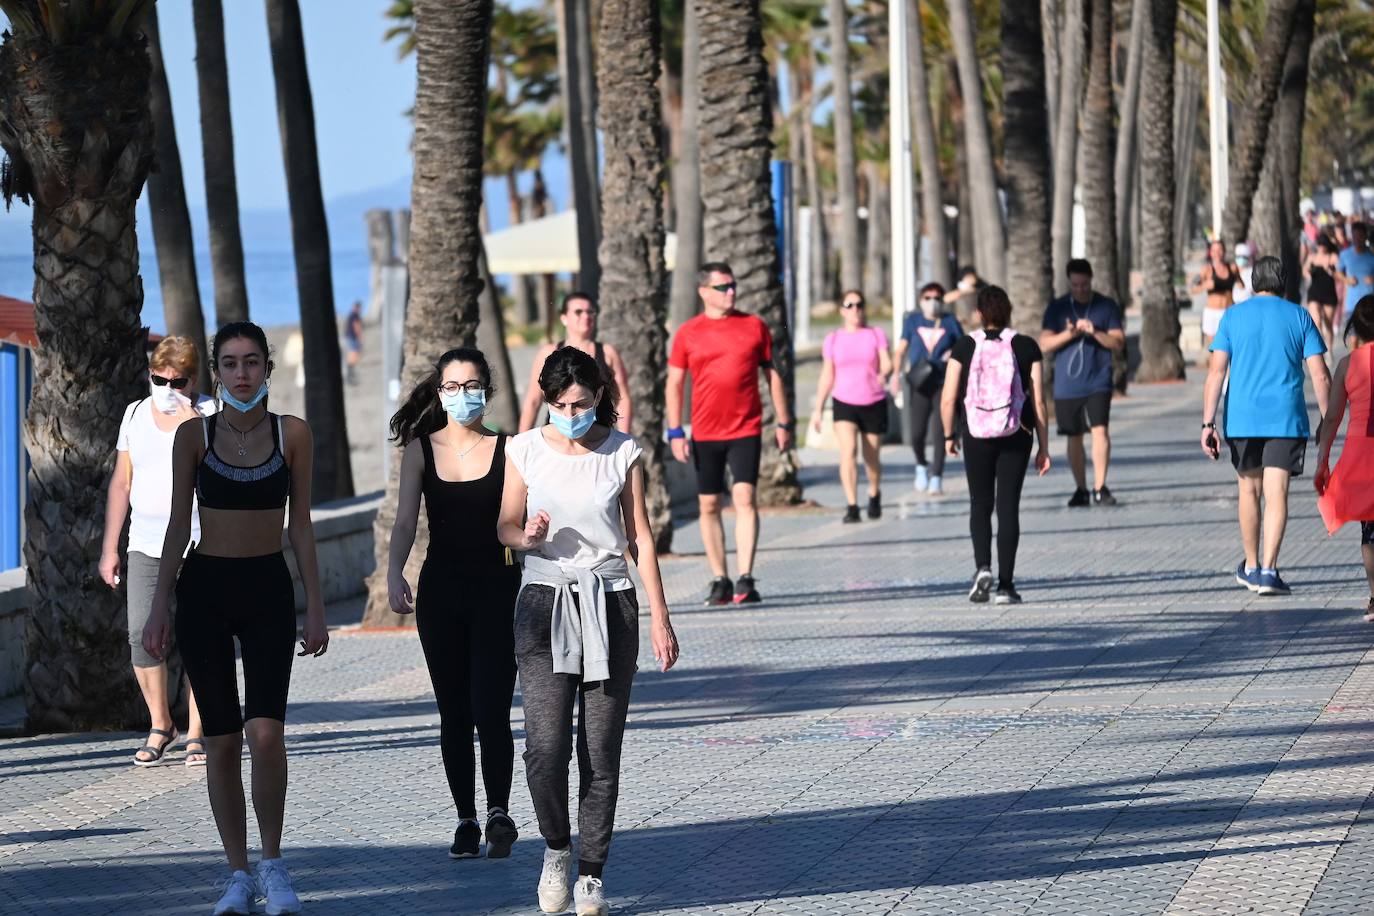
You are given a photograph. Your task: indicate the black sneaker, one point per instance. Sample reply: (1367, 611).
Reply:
(501, 834)
(851, 515)
(1006, 595)
(1103, 497)
(721, 587)
(875, 506)
(467, 841)
(1081, 499)
(982, 584)
(745, 593)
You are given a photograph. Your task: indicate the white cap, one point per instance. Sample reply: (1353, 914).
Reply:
(1242, 250)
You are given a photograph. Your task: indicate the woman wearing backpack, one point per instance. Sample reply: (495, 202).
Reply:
(997, 376)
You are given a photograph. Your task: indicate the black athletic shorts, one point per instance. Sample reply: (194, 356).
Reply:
(870, 418)
(711, 458)
(1252, 454)
(1077, 416)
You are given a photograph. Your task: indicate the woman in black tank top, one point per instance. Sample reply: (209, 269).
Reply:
(467, 586)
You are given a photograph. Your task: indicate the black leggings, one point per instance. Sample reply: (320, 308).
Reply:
(251, 598)
(926, 420)
(996, 470)
(466, 631)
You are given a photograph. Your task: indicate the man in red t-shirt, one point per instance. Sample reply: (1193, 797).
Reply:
(724, 350)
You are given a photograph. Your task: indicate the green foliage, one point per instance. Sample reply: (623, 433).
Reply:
(75, 21)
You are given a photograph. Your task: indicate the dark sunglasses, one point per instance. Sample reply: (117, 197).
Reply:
(178, 383)
(852, 305)
(724, 287)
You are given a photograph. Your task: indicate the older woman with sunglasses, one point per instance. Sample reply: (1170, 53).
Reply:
(141, 486)
(856, 365)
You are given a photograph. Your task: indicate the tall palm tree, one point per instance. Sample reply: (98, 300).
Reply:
(577, 79)
(1253, 128)
(988, 238)
(632, 294)
(324, 399)
(683, 300)
(1099, 115)
(1126, 161)
(217, 150)
(1026, 161)
(927, 150)
(74, 86)
(176, 251)
(1066, 139)
(846, 174)
(1160, 356)
(452, 45)
(736, 190)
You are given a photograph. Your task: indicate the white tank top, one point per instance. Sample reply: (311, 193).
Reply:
(581, 494)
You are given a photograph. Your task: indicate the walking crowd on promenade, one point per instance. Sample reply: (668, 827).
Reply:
(532, 536)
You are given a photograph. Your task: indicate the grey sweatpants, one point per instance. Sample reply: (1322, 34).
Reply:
(548, 700)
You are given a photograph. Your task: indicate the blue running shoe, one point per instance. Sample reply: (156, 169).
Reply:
(1270, 583)
(1250, 578)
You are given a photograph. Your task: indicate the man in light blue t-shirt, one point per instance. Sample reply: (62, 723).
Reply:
(1355, 267)
(1263, 343)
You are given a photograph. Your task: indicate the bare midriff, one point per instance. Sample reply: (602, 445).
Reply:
(240, 532)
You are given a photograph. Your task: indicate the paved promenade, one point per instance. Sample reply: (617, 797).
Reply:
(1142, 736)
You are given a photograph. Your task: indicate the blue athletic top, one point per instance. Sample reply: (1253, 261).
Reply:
(220, 485)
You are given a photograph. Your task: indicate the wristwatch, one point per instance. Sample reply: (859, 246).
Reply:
(1209, 426)
(789, 426)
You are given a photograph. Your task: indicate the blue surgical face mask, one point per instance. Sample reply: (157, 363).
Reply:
(576, 426)
(463, 406)
(244, 406)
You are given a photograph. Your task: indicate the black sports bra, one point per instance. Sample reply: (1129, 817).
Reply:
(220, 485)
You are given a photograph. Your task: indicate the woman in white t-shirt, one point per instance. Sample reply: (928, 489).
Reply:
(574, 503)
(141, 488)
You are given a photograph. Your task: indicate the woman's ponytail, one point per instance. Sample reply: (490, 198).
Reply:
(420, 414)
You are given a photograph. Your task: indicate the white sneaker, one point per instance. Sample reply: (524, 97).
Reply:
(275, 884)
(239, 893)
(922, 478)
(590, 900)
(553, 881)
(937, 485)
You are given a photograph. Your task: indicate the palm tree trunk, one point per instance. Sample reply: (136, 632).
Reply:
(1051, 25)
(736, 189)
(1160, 357)
(176, 254)
(452, 49)
(846, 169)
(1099, 198)
(504, 411)
(633, 306)
(814, 196)
(1065, 145)
(927, 151)
(989, 244)
(217, 151)
(577, 84)
(687, 181)
(324, 398)
(522, 291)
(1187, 102)
(877, 244)
(1026, 162)
(1127, 144)
(79, 137)
(1253, 129)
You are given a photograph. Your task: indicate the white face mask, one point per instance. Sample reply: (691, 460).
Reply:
(167, 399)
(930, 309)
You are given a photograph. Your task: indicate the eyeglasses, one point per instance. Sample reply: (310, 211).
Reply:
(724, 287)
(468, 387)
(852, 305)
(178, 383)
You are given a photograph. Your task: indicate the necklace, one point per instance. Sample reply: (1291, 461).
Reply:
(243, 433)
(465, 452)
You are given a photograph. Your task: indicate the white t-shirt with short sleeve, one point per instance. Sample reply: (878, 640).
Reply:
(150, 497)
(581, 494)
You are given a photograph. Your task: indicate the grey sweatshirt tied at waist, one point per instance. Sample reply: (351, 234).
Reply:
(577, 631)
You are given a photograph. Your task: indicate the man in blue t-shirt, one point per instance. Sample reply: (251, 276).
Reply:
(1081, 330)
(1263, 343)
(1355, 267)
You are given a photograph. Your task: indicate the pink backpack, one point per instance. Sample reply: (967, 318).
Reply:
(994, 397)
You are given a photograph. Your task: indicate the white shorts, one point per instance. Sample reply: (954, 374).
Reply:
(1211, 320)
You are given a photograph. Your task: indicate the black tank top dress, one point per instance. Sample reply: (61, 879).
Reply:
(1322, 287)
(462, 523)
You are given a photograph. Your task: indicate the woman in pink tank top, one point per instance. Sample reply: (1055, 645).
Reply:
(1347, 492)
(857, 364)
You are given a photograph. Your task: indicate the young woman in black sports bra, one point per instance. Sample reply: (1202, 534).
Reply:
(467, 588)
(244, 465)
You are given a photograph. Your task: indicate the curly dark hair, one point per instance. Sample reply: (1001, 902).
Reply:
(421, 413)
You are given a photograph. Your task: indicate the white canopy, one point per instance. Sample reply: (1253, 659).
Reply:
(545, 246)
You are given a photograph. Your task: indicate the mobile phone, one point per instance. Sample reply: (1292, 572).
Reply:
(1214, 447)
